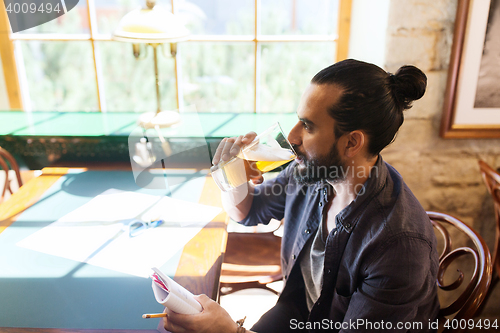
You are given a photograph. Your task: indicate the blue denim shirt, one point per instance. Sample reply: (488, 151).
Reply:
(380, 263)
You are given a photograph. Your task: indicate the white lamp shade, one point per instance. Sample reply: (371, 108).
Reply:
(156, 25)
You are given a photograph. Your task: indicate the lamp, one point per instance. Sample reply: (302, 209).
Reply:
(153, 25)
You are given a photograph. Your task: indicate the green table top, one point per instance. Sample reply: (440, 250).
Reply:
(92, 124)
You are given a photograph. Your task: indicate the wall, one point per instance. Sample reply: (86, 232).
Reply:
(4, 98)
(443, 174)
(368, 30)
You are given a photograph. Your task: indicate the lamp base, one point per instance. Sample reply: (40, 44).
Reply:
(160, 119)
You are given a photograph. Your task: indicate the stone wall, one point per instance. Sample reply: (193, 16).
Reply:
(443, 174)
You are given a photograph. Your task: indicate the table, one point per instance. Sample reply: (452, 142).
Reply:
(43, 291)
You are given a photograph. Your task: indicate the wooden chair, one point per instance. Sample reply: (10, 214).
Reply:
(468, 302)
(492, 180)
(252, 260)
(7, 162)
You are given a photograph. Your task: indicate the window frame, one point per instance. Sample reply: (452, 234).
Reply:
(17, 89)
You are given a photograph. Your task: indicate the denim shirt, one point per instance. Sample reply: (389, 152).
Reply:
(380, 263)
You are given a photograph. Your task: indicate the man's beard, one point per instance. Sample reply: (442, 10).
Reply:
(329, 168)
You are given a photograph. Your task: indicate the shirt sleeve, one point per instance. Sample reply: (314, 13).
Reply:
(394, 284)
(269, 199)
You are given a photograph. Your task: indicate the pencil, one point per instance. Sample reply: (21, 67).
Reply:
(154, 315)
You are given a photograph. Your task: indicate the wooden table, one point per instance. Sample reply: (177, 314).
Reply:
(91, 299)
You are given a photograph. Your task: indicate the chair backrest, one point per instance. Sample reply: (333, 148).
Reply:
(492, 180)
(7, 162)
(469, 301)
(251, 260)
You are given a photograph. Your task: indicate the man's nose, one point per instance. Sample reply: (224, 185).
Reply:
(294, 135)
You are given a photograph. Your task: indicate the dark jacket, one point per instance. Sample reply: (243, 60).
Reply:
(381, 261)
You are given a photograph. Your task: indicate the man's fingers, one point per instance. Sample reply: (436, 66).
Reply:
(222, 150)
(226, 142)
(230, 147)
(227, 148)
(218, 152)
(204, 300)
(179, 317)
(188, 322)
(249, 137)
(235, 149)
(171, 327)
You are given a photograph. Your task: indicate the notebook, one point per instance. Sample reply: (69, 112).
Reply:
(172, 295)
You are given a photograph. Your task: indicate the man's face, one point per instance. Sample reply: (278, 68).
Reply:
(313, 137)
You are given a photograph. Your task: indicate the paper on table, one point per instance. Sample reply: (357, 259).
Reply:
(95, 233)
(174, 211)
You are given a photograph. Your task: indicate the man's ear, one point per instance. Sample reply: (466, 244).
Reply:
(355, 143)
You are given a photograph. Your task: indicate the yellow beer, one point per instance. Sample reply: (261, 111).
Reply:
(232, 170)
(266, 166)
(268, 151)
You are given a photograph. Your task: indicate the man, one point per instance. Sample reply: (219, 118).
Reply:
(358, 251)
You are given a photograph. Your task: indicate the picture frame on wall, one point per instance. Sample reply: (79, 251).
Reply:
(472, 100)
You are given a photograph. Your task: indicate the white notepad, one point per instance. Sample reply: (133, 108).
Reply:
(176, 297)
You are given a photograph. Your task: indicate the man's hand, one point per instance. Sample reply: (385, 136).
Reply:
(230, 147)
(213, 318)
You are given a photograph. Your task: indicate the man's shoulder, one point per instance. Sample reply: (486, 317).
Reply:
(398, 210)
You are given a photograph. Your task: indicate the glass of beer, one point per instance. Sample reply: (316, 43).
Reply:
(266, 152)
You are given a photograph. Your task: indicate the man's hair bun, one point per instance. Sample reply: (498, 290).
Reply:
(408, 84)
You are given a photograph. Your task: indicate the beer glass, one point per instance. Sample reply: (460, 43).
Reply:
(266, 152)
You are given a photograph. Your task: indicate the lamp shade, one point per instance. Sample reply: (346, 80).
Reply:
(150, 25)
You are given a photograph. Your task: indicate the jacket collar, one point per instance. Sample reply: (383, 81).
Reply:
(376, 181)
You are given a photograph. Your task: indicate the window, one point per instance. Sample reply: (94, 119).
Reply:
(242, 56)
